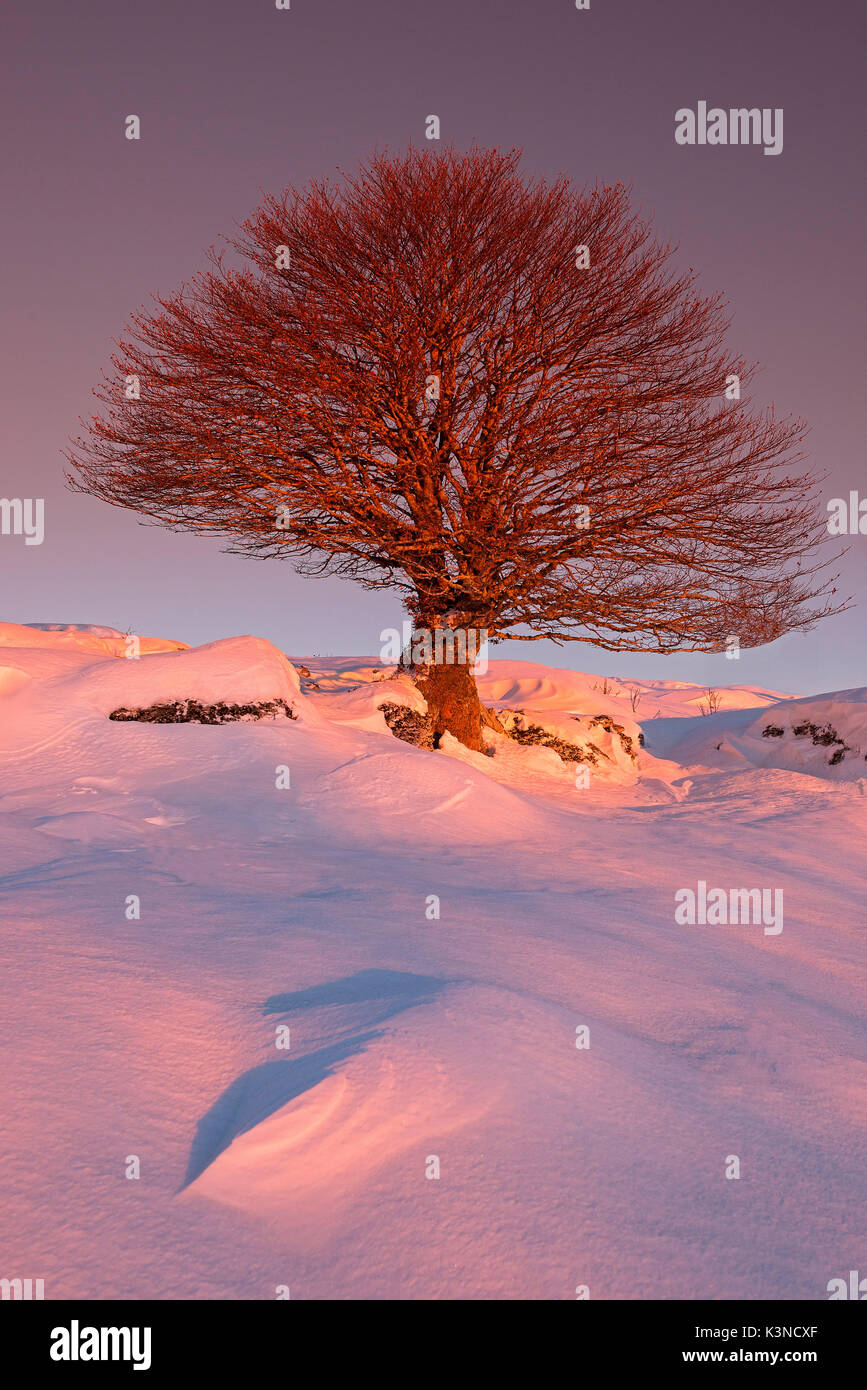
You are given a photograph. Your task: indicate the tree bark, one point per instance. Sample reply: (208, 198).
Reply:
(453, 703)
(441, 656)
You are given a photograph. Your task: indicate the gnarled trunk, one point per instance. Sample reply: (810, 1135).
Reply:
(440, 656)
(453, 702)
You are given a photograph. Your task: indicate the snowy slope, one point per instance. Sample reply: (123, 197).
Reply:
(431, 929)
(525, 684)
(85, 637)
(822, 735)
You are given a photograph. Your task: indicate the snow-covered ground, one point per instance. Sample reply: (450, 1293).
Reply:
(431, 933)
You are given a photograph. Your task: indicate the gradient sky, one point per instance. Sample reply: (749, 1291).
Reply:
(236, 97)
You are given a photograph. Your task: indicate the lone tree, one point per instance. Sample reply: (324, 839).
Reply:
(490, 393)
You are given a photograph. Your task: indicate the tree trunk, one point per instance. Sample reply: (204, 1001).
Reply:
(440, 654)
(453, 703)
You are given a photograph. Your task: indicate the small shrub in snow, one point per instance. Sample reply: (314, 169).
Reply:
(772, 731)
(712, 703)
(606, 687)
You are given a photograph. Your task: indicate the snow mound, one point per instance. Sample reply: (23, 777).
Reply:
(236, 670)
(823, 735)
(11, 679)
(84, 637)
(527, 685)
(605, 745)
(359, 705)
(62, 696)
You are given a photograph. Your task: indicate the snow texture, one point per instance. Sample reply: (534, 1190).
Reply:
(413, 1037)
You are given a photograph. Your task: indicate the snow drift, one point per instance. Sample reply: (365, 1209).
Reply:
(382, 1022)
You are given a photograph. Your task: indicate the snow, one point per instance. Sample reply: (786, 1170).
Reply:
(85, 637)
(513, 683)
(802, 735)
(415, 1036)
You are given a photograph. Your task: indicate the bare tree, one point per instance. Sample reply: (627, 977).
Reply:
(605, 687)
(634, 697)
(489, 393)
(712, 703)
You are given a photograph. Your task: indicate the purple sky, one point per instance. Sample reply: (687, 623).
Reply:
(236, 97)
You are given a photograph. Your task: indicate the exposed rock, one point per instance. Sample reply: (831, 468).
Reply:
(569, 752)
(535, 734)
(410, 726)
(192, 712)
(515, 724)
(824, 736)
(607, 723)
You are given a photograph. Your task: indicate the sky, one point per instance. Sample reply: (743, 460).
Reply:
(237, 98)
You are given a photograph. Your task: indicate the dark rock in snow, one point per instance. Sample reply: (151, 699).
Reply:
(569, 752)
(192, 712)
(408, 725)
(608, 724)
(824, 737)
